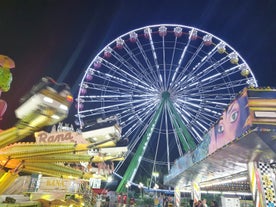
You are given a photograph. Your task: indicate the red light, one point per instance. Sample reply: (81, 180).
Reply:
(69, 98)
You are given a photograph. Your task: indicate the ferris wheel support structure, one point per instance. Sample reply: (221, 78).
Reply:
(181, 131)
(133, 166)
(169, 83)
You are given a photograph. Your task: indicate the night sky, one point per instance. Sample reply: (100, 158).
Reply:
(59, 38)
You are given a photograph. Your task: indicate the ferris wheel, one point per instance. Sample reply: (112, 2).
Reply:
(167, 84)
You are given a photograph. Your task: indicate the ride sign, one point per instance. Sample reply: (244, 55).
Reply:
(59, 137)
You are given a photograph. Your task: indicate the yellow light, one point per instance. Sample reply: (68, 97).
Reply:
(54, 116)
(155, 174)
(47, 99)
(46, 196)
(109, 179)
(62, 106)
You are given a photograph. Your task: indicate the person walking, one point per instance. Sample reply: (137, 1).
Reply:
(204, 203)
(161, 200)
(214, 204)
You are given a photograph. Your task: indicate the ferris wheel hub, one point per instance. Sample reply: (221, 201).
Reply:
(166, 95)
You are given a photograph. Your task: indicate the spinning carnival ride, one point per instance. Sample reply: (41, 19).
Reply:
(56, 154)
(168, 85)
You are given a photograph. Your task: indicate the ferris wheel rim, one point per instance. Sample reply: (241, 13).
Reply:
(164, 24)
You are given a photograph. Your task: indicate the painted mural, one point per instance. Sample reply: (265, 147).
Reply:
(234, 121)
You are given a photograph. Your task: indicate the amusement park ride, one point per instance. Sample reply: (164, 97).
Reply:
(170, 85)
(185, 100)
(63, 153)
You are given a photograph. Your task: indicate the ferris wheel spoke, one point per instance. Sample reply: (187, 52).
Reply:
(124, 98)
(214, 88)
(116, 92)
(155, 59)
(141, 131)
(209, 116)
(196, 69)
(213, 102)
(172, 61)
(158, 142)
(223, 86)
(136, 75)
(120, 111)
(141, 73)
(109, 89)
(182, 74)
(217, 76)
(150, 67)
(193, 113)
(206, 104)
(120, 82)
(124, 74)
(140, 113)
(195, 133)
(214, 109)
(164, 63)
(139, 110)
(179, 63)
(111, 108)
(191, 81)
(139, 119)
(204, 120)
(202, 124)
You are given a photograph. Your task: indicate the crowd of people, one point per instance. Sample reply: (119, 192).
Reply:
(167, 201)
(203, 203)
(163, 201)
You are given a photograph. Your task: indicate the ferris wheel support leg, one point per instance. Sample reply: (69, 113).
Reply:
(132, 168)
(185, 137)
